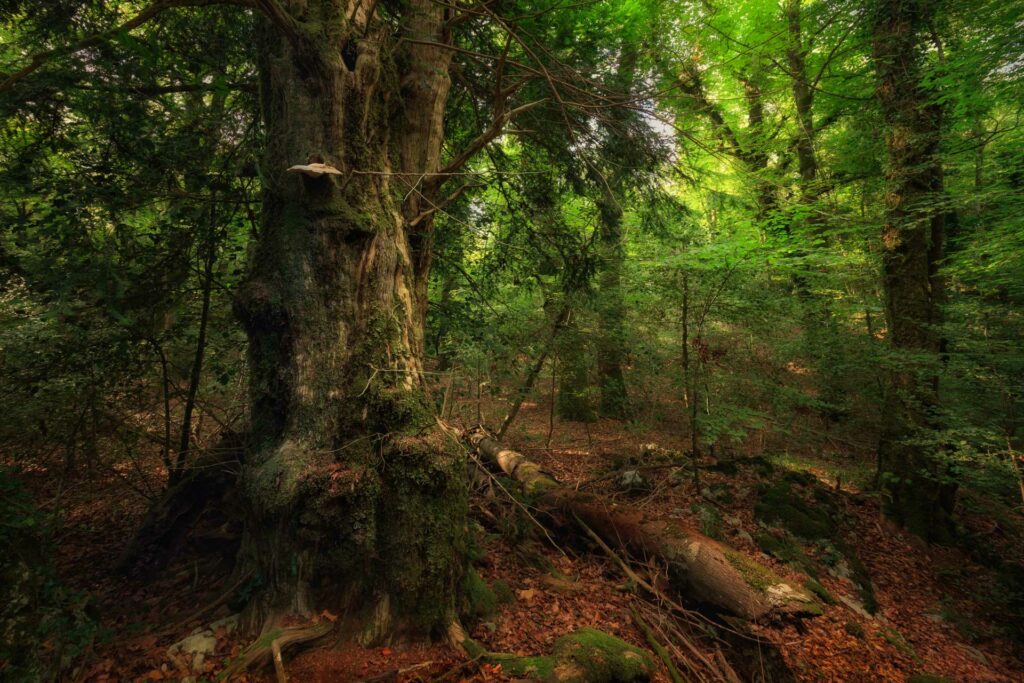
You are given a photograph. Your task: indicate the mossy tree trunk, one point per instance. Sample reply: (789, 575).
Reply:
(353, 500)
(914, 475)
(624, 153)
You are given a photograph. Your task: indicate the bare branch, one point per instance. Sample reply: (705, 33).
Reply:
(493, 131)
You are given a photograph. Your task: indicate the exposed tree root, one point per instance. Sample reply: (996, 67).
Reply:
(271, 644)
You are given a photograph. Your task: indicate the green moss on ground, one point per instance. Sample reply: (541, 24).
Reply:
(814, 586)
(902, 645)
(854, 629)
(785, 548)
(503, 592)
(779, 504)
(586, 656)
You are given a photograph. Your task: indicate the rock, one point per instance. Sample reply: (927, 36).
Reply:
(855, 606)
(586, 656)
(198, 645)
(631, 480)
(974, 653)
(841, 570)
(229, 624)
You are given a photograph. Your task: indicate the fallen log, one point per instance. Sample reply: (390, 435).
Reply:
(701, 569)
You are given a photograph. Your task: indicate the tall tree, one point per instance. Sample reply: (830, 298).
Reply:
(920, 494)
(624, 155)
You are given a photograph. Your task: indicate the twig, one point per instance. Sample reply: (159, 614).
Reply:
(658, 648)
(501, 486)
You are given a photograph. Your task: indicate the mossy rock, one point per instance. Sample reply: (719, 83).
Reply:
(862, 578)
(815, 586)
(784, 547)
(586, 656)
(854, 629)
(761, 465)
(779, 504)
(726, 467)
(710, 521)
(721, 492)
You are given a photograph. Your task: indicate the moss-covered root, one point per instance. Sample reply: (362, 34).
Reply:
(586, 656)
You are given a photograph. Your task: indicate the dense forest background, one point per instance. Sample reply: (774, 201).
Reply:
(251, 252)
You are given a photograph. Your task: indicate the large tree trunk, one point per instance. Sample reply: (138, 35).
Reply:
(621, 150)
(352, 498)
(913, 473)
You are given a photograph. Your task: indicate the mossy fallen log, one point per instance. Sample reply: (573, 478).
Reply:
(701, 569)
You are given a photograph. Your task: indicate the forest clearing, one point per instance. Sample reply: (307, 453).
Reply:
(474, 340)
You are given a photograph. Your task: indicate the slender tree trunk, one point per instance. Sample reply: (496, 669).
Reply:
(755, 157)
(443, 349)
(689, 379)
(803, 100)
(821, 332)
(352, 498)
(560, 321)
(196, 372)
(915, 477)
(611, 338)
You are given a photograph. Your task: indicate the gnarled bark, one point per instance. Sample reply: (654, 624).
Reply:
(348, 491)
(702, 569)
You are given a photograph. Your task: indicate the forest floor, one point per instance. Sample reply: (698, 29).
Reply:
(932, 617)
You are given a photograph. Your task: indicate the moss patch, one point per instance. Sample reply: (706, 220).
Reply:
(478, 599)
(785, 548)
(756, 575)
(586, 656)
(896, 639)
(814, 586)
(779, 504)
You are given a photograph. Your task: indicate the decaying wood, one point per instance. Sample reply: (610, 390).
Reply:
(702, 569)
(271, 644)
